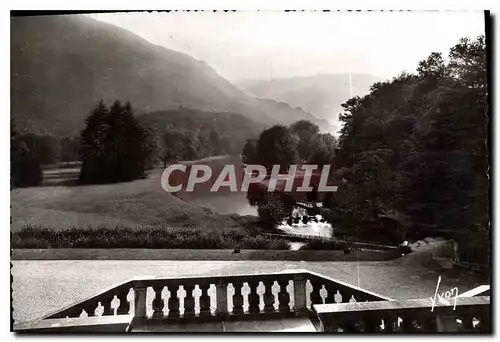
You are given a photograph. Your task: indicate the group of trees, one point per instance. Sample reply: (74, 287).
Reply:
(114, 146)
(24, 167)
(415, 149)
(298, 143)
(50, 149)
(412, 157)
(185, 144)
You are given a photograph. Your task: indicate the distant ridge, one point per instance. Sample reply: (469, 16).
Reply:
(61, 65)
(322, 95)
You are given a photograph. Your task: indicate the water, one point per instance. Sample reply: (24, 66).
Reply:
(316, 229)
(229, 203)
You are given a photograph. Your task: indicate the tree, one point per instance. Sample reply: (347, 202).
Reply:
(249, 155)
(323, 150)
(114, 146)
(306, 132)
(273, 210)
(24, 167)
(69, 147)
(44, 148)
(277, 146)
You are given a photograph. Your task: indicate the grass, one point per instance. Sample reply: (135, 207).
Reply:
(139, 203)
(141, 237)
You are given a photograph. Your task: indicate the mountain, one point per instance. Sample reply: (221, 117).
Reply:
(62, 65)
(321, 95)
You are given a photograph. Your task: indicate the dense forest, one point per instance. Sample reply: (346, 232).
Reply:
(414, 150)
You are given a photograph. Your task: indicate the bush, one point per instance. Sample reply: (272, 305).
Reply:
(273, 210)
(324, 244)
(142, 237)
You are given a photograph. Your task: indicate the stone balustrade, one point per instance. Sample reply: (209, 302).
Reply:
(340, 307)
(471, 314)
(282, 293)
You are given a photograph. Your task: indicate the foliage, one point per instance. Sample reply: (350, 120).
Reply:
(24, 167)
(249, 154)
(416, 145)
(306, 132)
(141, 237)
(323, 243)
(277, 146)
(188, 134)
(272, 209)
(114, 147)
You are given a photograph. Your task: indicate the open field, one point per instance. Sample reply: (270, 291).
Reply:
(130, 204)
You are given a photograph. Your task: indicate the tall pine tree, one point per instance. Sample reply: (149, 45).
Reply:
(114, 147)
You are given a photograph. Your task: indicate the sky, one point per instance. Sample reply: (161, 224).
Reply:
(274, 44)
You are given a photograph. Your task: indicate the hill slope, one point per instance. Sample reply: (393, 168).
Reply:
(61, 65)
(321, 95)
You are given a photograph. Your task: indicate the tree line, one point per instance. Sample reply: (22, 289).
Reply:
(118, 146)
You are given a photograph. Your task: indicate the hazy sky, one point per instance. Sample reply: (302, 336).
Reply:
(277, 44)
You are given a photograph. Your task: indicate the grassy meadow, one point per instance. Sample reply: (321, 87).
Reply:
(60, 204)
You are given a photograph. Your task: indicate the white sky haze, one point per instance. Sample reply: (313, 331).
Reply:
(269, 44)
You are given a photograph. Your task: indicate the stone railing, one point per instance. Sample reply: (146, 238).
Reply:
(217, 297)
(471, 314)
(340, 307)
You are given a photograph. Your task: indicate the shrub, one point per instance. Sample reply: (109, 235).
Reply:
(273, 210)
(142, 237)
(323, 244)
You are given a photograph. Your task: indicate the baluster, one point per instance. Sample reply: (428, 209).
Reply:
(315, 296)
(333, 295)
(389, 322)
(140, 302)
(204, 300)
(221, 297)
(407, 325)
(299, 292)
(253, 297)
(372, 323)
(283, 296)
(89, 308)
(173, 302)
(158, 303)
(484, 320)
(124, 307)
(189, 301)
(467, 322)
(106, 303)
(237, 298)
(268, 296)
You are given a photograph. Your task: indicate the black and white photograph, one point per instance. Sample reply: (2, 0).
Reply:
(244, 171)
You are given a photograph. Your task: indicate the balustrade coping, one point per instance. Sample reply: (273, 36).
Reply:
(356, 288)
(399, 306)
(60, 323)
(148, 282)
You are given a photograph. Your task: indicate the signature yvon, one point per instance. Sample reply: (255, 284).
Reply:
(443, 296)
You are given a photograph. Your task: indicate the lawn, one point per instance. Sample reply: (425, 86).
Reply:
(140, 203)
